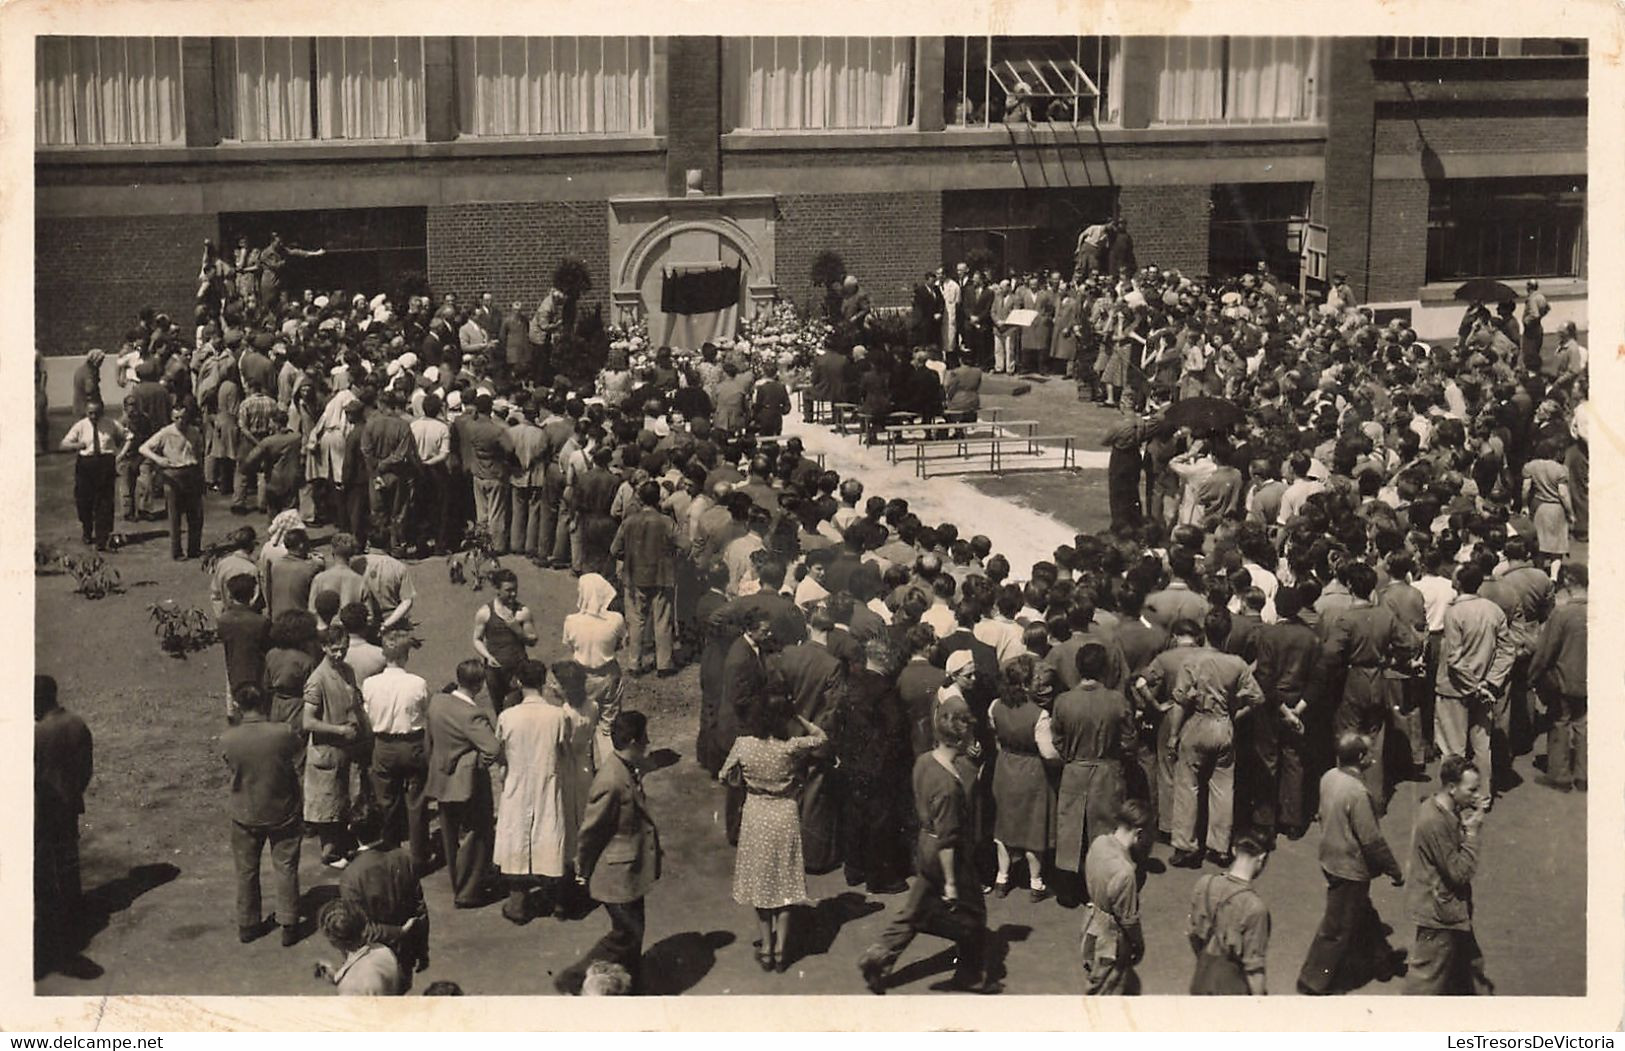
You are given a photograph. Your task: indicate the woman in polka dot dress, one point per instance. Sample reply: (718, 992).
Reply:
(768, 870)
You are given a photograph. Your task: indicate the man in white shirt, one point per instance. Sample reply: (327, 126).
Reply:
(97, 440)
(432, 436)
(397, 704)
(952, 292)
(1299, 488)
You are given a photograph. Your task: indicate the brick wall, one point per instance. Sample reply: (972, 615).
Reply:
(1169, 224)
(1482, 134)
(92, 276)
(887, 239)
(1399, 238)
(511, 249)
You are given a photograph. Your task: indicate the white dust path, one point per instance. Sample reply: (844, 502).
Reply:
(1022, 534)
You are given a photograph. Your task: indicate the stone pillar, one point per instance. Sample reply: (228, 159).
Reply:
(198, 91)
(1350, 145)
(693, 113)
(1139, 80)
(929, 56)
(440, 120)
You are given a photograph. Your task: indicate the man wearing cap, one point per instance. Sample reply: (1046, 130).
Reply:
(1341, 296)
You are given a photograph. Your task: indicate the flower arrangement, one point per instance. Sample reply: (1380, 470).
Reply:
(784, 337)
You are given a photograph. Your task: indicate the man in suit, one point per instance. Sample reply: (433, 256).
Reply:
(744, 679)
(817, 683)
(831, 376)
(265, 810)
(386, 888)
(647, 545)
(462, 746)
(62, 770)
(618, 850)
(926, 328)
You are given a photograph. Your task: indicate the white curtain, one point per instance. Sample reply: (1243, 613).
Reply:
(1111, 106)
(1190, 81)
(1273, 79)
(369, 87)
(555, 85)
(797, 83)
(105, 91)
(273, 89)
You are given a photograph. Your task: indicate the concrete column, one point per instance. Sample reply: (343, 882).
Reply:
(197, 91)
(1139, 79)
(439, 90)
(1350, 145)
(693, 112)
(929, 58)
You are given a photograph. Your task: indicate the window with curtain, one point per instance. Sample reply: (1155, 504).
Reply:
(584, 85)
(369, 88)
(1240, 80)
(269, 81)
(108, 91)
(817, 83)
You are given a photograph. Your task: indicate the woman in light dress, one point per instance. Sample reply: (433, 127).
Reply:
(769, 873)
(593, 633)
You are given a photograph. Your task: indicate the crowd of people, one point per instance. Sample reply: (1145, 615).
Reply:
(1286, 617)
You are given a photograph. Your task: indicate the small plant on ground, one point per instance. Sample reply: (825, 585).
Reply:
(180, 630)
(475, 561)
(92, 575)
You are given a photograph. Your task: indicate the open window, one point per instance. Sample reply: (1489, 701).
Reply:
(1028, 80)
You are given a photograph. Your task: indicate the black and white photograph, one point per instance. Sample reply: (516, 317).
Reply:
(959, 517)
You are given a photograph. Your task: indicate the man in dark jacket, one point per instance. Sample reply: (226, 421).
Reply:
(647, 544)
(381, 882)
(1445, 960)
(391, 456)
(62, 770)
(265, 809)
(462, 746)
(831, 378)
(870, 744)
(245, 634)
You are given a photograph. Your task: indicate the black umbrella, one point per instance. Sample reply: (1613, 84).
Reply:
(1205, 415)
(1484, 290)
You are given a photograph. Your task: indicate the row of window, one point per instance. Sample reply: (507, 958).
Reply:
(100, 91)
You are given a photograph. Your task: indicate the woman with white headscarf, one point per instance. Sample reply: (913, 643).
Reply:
(594, 633)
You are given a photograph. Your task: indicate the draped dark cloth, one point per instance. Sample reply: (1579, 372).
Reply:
(699, 291)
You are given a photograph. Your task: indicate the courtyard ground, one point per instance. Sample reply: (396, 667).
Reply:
(158, 874)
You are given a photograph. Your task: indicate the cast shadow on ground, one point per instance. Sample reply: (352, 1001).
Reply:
(820, 925)
(676, 964)
(96, 908)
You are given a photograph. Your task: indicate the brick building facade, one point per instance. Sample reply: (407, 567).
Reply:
(685, 156)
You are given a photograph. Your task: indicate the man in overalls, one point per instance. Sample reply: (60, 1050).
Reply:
(1112, 940)
(1229, 926)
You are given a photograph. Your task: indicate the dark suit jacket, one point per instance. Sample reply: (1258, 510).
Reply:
(618, 849)
(245, 635)
(831, 376)
(647, 540)
(460, 737)
(382, 884)
(926, 317)
(817, 681)
(62, 768)
(744, 678)
(917, 686)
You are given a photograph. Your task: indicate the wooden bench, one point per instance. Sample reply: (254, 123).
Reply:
(956, 432)
(1002, 451)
